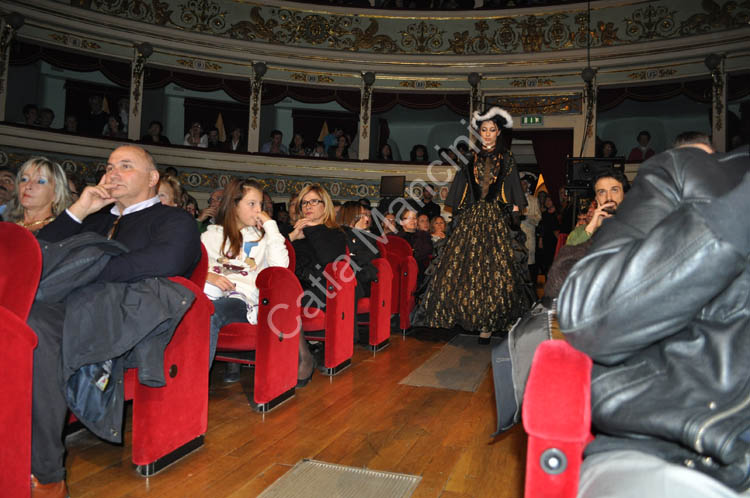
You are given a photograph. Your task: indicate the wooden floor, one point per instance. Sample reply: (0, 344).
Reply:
(363, 417)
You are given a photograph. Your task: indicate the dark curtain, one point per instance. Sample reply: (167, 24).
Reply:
(309, 122)
(551, 148)
(348, 99)
(698, 90)
(238, 89)
(385, 101)
(207, 112)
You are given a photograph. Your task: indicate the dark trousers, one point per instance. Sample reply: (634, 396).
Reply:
(48, 405)
(226, 310)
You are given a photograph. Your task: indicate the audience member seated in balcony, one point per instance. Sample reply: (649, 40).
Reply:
(76, 184)
(114, 127)
(332, 139)
(7, 190)
(437, 229)
(95, 120)
(154, 135)
(274, 146)
(297, 146)
(418, 154)
(607, 149)
(421, 242)
(41, 194)
(448, 157)
(428, 207)
(341, 151)
(642, 151)
(170, 191)
(46, 117)
(244, 244)
(195, 136)
(30, 115)
(213, 139)
(162, 242)
(71, 124)
(317, 240)
(208, 216)
(236, 142)
(319, 150)
(385, 153)
(123, 112)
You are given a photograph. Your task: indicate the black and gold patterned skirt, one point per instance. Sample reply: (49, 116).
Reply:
(479, 282)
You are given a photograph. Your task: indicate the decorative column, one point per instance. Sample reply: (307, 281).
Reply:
(715, 64)
(588, 142)
(256, 87)
(10, 25)
(365, 107)
(142, 52)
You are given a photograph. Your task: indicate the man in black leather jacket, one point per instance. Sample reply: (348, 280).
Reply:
(661, 303)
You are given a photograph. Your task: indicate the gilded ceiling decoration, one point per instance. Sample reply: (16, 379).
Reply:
(618, 25)
(541, 104)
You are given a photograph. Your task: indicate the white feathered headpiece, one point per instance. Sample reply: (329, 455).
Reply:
(491, 113)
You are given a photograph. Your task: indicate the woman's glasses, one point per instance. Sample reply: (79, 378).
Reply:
(311, 202)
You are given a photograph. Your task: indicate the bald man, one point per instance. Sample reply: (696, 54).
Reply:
(163, 241)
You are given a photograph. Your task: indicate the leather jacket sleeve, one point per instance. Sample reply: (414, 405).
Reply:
(654, 265)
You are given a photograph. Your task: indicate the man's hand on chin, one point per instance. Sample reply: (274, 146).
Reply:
(92, 199)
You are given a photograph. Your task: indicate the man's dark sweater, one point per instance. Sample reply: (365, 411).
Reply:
(163, 241)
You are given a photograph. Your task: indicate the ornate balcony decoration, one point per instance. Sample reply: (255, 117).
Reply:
(473, 35)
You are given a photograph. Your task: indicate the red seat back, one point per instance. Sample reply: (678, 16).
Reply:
(17, 343)
(557, 419)
(20, 251)
(292, 256)
(399, 246)
(201, 270)
(380, 303)
(279, 329)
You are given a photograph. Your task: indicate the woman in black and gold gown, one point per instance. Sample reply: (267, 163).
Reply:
(479, 283)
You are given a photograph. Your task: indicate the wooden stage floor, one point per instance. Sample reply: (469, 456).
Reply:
(363, 417)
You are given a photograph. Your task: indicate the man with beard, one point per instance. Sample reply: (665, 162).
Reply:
(610, 186)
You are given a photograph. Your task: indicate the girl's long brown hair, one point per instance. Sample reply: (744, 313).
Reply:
(227, 216)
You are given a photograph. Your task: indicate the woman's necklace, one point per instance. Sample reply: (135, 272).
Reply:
(33, 224)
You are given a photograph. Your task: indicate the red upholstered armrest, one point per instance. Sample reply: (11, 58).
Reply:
(557, 418)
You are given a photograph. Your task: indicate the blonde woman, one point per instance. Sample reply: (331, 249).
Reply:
(41, 194)
(317, 240)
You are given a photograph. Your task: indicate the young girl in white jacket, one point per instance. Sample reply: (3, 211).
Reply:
(246, 242)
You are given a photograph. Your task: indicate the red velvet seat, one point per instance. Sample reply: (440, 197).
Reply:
(275, 339)
(159, 440)
(335, 325)
(18, 250)
(405, 272)
(378, 306)
(557, 419)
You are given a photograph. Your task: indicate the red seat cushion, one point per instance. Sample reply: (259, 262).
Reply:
(238, 337)
(363, 305)
(315, 322)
